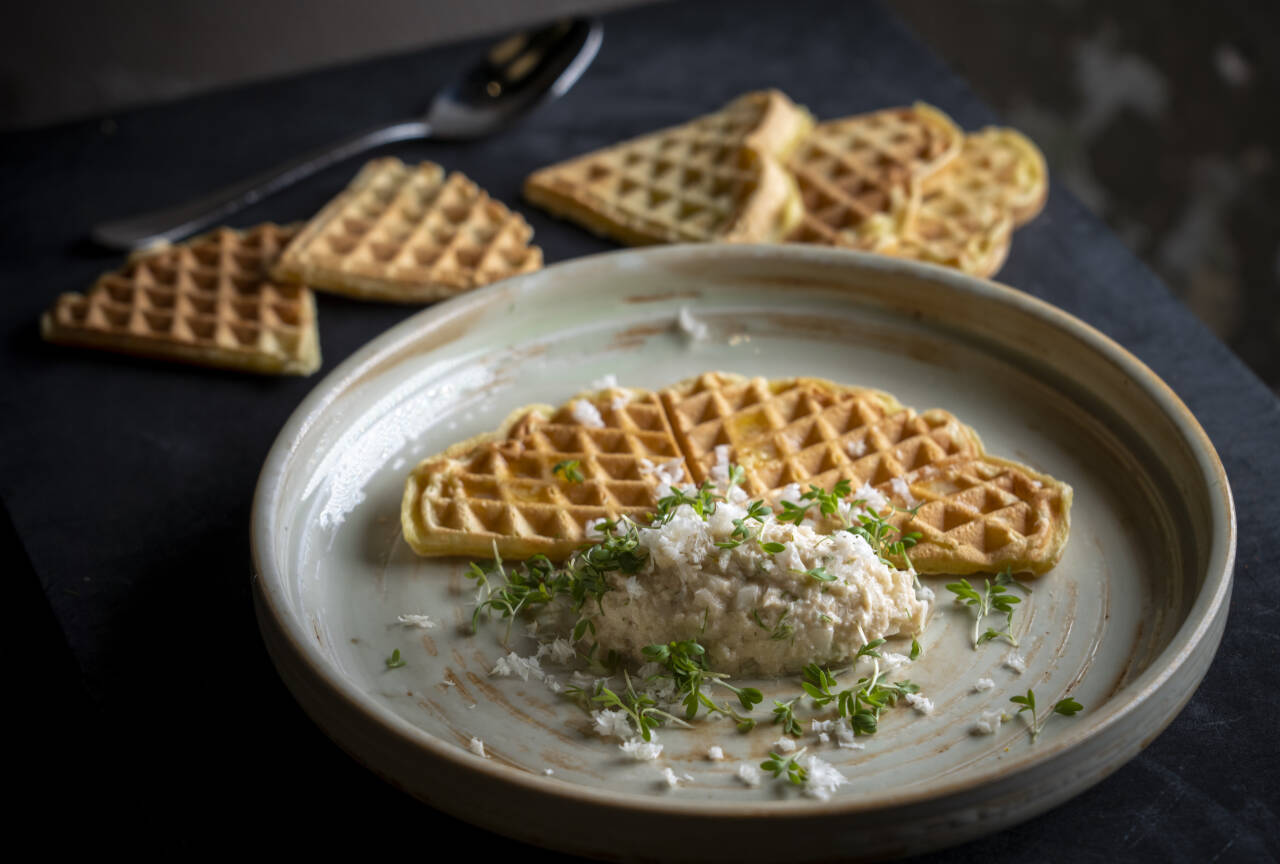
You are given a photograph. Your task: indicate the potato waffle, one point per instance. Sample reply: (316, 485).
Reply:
(713, 178)
(968, 211)
(502, 489)
(409, 234)
(976, 513)
(859, 176)
(208, 301)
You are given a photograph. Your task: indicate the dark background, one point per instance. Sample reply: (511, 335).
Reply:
(143, 704)
(1161, 117)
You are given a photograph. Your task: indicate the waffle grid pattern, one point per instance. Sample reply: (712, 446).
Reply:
(801, 431)
(692, 182)
(975, 513)
(983, 514)
(208, 301)
(858, 176)
(968, 210)
(506, 490)
(410, 234)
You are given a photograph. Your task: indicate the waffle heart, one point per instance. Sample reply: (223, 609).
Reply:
(859, 177)
(208, 301)
(714, 178)
(968, 211)
(409, 234)
(502, 490)
(974, 512)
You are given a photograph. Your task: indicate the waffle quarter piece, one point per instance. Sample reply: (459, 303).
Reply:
(974, 512)
(501, 491)
(859, 176)
(208, 301)
(968, 211)
(409, 234)
(714, 178)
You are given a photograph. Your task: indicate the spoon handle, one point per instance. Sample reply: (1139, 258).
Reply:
(172, 223)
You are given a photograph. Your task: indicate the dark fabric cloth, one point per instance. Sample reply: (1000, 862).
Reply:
(129, 482)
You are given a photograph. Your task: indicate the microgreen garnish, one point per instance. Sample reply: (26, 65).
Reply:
(395, 661)
(819, 573)
(784, 713)
(703, 502)
(790, 766)
(1067, 707)
(773, 548)
(885, 540)
(685, 662)
(869, 649)
(537, 581)
(568, 471)
(641, 708)
(742, 532)
(861, 704)
(915, 649)
(994, 598)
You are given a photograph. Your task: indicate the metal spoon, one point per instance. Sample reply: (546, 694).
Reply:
(517, 74)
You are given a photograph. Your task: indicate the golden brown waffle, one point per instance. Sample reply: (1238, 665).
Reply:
(968, 211)
(858, 177)
(714, 178)
(409, 234)
(207, 301)
(975, 512)
(806, 430)
(501, 489)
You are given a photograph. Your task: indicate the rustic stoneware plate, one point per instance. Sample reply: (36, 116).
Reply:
(1127, 623)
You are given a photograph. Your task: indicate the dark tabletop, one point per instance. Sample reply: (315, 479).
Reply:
(143, 690)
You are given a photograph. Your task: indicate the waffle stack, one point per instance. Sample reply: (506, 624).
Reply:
(209, 301)
(907, 182)
(409, 234)
(975, 512)
(718, 177)
(900, 181)
(968, 211)
(860, 177)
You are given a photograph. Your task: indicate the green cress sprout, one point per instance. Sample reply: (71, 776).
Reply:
(784, 713)
(1067, 707)
(685, 662)
(995, 598)
(885, 540)
(537, 581)
(862, 703)
(641, 708)
(790, 766)
(395, 661)
(568, 471)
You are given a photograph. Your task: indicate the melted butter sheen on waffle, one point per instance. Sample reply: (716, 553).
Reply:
(974, 512)
(207, 301)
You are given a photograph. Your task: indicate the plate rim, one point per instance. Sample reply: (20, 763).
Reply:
(1205, 615)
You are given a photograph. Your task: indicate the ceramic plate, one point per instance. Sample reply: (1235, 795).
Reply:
(1127, 623)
